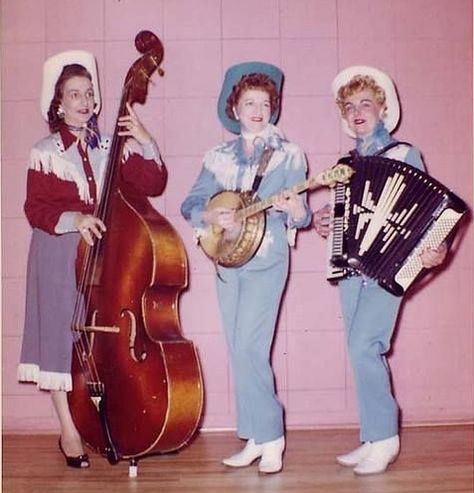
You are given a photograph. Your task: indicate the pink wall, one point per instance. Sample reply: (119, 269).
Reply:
(424, 44)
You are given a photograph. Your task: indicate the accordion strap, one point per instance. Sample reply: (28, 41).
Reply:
(353, 153)
(391, 146)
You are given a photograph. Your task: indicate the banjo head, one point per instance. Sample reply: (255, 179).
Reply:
(233, 249)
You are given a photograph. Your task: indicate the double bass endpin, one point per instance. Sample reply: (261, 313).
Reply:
(133, 468)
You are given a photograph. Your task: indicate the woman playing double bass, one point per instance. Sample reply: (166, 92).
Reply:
(64, 180)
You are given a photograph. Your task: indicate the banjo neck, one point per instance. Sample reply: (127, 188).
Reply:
(328, 177)
(261, 205)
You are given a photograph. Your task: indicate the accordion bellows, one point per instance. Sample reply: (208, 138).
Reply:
(384, 217)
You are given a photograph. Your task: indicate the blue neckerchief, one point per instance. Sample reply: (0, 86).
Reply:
(242, 158)
(374, 142)
(268, 137)
(92, 132)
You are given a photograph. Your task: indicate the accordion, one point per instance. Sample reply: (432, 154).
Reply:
(384, 217)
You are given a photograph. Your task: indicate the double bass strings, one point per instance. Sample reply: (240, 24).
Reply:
(83, 335)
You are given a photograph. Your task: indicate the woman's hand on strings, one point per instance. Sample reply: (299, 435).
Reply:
(90, 227)
(131, 126)
(322, 221)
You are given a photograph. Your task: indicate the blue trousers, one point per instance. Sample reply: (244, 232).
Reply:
(249, 301)
(370, 314)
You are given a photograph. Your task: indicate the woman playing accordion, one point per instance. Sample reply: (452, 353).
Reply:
(370, 111)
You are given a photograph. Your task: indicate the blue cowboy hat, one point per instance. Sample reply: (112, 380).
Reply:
(233, 76)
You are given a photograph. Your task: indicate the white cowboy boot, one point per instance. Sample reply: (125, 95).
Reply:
(246, 456)
(353, 458)
(271, 461)
(382, 453)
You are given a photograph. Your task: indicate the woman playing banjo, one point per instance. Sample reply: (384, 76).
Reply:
(250, 293)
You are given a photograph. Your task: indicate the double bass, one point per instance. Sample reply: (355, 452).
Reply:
(137, 383)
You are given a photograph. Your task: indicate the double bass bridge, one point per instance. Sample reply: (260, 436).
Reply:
(88, 332)
(98, 328)
(111, 329)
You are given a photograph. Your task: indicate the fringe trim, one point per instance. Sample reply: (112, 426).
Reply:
(291, 236)
(45, 380)
(48, 162)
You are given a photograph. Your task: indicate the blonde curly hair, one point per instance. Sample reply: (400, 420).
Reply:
(357, 84)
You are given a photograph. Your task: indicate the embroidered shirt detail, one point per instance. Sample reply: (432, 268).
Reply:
(48, 162)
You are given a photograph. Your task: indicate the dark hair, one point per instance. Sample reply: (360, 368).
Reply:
(68, 72)
(253, 81)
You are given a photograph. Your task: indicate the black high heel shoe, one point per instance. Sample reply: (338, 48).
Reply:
(78, 462)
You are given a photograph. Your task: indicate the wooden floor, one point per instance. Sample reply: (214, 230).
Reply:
(433, 459)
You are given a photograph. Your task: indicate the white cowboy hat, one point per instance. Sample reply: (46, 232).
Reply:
(52, 69)
(392, 114)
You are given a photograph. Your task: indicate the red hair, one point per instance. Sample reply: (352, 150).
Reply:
(258, 81)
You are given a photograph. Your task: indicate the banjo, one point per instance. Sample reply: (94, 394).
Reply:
(233, 249)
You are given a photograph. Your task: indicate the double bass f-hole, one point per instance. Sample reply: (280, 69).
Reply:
(133, 336)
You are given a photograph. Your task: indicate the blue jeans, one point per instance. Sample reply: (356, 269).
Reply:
(370, 314)
(249, 301)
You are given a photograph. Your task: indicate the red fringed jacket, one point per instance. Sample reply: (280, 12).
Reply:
(63, 179)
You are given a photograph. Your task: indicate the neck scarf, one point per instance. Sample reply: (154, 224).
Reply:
(372, 143)
(92, 132)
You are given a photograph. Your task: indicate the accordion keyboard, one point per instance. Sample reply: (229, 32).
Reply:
(433, 239)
